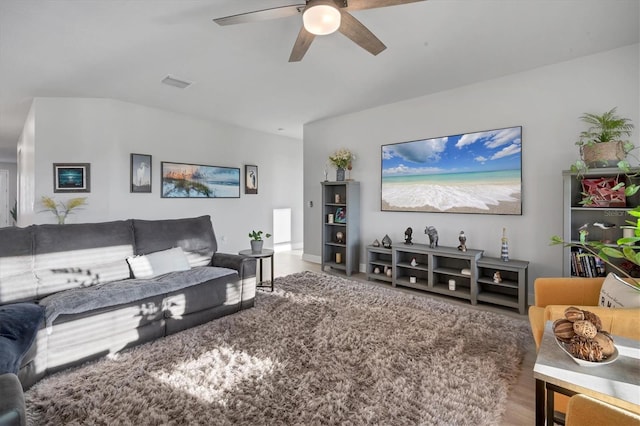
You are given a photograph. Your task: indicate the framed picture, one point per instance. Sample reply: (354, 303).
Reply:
(71, 177)
(250, 179)
(340, 216)
(479, 172)
(140, 173)
(180, 180)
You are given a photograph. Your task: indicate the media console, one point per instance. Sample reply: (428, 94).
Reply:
(446, 270)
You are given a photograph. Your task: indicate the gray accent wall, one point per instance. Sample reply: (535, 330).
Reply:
(545, 101)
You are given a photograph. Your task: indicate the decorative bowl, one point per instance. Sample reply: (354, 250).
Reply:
(585, 363)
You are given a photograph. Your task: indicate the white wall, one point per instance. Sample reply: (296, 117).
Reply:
(105, 132)
(545, 101)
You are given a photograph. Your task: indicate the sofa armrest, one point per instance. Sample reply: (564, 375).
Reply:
(246, 266)
(12, 406)
(567, 291)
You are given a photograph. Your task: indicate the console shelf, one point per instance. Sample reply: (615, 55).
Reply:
(448, 271)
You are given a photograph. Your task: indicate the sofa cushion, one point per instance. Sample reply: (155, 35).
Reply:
(83, 276)
(79, 300)
(19, 323)
(83, 245)
(158, 263)
(17, 282)
(194, 235)
(616, 293)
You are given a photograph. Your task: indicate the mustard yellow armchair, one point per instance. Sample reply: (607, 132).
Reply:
(586, 411)
(554, 295)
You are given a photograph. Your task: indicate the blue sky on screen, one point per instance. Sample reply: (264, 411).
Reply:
(491, 150)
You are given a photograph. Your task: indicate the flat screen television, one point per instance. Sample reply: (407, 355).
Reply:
(478, 172)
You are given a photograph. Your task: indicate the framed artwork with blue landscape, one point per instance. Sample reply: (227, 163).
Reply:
(479, 172)
(71, 177)
(181, 180)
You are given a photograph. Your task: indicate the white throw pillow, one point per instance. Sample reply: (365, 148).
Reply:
(616, 293)
(158, 263)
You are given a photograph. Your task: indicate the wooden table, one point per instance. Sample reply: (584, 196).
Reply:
(617, 383)
(265, 253)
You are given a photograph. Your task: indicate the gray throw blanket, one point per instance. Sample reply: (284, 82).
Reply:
(79, 300)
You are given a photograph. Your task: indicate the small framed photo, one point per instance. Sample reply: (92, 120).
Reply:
(71, 177)
(250, 179)
(340, 216)
(140, 173)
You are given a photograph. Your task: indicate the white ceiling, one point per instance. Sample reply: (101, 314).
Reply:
(121, 49)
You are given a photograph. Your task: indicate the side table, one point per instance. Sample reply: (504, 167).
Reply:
(264, 254)
(617, 383)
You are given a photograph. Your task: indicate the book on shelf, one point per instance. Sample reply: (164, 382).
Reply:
(584, 264)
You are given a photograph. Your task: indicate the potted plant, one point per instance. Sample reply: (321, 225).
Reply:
(625, 249)
(605, 144)
(14, 212)
(62, 210)
(341, 159)
(257, 241)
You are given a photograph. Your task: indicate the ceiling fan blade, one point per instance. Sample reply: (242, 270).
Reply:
(360, 34)
(374, 4)
(301, 45)
(261, 15)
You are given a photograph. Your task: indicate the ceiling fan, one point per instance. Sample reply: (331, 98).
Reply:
(321, 17)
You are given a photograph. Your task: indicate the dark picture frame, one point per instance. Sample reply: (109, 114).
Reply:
(71, 177)
(250, 179)
(141, 173)
(185, 180)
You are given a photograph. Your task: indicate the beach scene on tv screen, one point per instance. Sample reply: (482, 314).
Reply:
(478, 172)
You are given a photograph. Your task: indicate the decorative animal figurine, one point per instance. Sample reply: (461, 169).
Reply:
(497, 277)
(463, 241)
(432, 232)
(407, 236)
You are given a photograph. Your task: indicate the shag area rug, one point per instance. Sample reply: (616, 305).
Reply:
(320, 350)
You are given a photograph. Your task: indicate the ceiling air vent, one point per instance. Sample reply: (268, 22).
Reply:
(175, 82)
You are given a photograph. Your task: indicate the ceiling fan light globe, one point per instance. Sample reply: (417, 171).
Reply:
(321, 19)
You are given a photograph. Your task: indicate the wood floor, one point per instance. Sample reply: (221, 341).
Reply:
(520, 408)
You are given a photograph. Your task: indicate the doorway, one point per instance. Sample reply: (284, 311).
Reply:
(282, 229)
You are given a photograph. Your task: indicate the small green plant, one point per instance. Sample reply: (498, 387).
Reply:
(62, 210)
(14, 212)
(257, 235)
(625, 247)
(606, 127)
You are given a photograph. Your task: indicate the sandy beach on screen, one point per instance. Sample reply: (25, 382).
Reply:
(504, 207)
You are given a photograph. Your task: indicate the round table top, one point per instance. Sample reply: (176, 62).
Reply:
(263, 253)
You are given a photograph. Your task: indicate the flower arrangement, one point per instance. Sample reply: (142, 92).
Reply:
(60, 209)
(341, 159)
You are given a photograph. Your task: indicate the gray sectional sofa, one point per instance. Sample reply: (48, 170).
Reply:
(97, 288)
